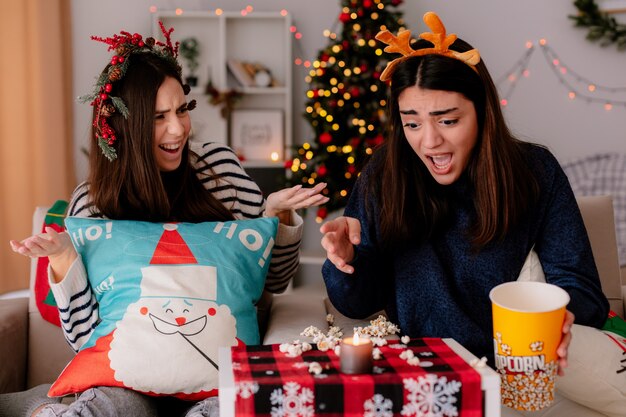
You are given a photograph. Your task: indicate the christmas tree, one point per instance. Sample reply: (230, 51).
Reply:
(346, 101)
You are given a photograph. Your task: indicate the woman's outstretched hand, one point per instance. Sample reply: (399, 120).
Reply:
(49, 243)
(340, 236)
(280, 203)
(56, 246)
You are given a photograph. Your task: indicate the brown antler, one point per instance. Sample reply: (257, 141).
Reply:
(400, 43)
(437, 36)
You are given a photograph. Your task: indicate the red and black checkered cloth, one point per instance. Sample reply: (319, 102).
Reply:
(269, 383)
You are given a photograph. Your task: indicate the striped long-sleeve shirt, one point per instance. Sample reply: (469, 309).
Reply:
(78, 307)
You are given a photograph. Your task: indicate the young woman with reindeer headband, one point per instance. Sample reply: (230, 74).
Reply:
(451, 205)
(142, 168)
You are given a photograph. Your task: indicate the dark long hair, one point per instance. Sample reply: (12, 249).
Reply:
(132, 187)
(412, 204)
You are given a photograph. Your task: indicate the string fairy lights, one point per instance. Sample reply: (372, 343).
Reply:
(345, 100)
(577, 86)
(218, 11)
(519, 69)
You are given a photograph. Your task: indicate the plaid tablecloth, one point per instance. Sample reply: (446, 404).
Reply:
(269, 383)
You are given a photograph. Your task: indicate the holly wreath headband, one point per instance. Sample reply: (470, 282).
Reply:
(103, 98)
(402, 44)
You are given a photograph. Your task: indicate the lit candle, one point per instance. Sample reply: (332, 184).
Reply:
(355, 356)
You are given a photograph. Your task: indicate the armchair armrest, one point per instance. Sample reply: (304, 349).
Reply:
(14, 346)
(623, 276)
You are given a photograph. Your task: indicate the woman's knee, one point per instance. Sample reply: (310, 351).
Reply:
(105, 402)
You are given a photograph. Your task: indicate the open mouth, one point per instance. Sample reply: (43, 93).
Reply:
(441, 162)
(170, 147)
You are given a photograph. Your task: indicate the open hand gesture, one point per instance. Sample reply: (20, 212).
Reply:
(340, 236)
(56, 246)
(280, 203)
(49, 243)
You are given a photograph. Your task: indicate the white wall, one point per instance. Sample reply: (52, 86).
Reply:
(539, 110)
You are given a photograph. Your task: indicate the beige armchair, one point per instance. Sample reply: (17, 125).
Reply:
(33, 351)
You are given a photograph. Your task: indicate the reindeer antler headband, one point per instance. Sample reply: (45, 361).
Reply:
(437, 36)
(102, 99)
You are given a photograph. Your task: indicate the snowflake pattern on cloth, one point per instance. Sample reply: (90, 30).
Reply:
(247, 389)
(378, 406)
(431, 396)
(444, 385)
(292, 400)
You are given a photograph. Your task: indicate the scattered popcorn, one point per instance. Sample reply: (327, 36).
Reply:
(413, 361)
(323, 345)
(335, 331)
(536, 346)
(379, 327)
(478, 363)
(311, 331)
(407, 354)
(294, 350)
(379, 341)
(315, 368)
(405, 339)
(377, 354)
(506, 349)
(324, 341)
(377, 332)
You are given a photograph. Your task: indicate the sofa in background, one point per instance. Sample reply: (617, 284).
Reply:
(33, 351)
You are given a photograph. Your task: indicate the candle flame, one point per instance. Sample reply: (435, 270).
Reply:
(356, 339)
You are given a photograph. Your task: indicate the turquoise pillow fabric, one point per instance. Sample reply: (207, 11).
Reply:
(169, 295)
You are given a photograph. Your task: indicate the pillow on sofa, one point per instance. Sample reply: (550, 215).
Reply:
(596, 371)
(596, 374)
(169, 295)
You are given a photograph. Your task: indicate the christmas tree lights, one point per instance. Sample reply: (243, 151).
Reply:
(345, 101)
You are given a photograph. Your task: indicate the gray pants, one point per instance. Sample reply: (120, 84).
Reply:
(120, 402)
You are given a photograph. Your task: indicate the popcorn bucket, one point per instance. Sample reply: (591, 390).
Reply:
(527, 327)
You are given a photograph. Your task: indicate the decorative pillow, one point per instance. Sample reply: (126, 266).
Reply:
(169, 295)
(596, 372)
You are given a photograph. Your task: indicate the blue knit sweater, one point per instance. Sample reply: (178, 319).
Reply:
(441, 288)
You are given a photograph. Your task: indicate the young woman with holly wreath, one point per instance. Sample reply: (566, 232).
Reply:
(143, 168)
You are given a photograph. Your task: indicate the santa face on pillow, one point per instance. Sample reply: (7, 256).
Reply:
(169, 296)
(172, 332)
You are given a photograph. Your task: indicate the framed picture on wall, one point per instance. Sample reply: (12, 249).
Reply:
(612, 6)
(257, 135)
